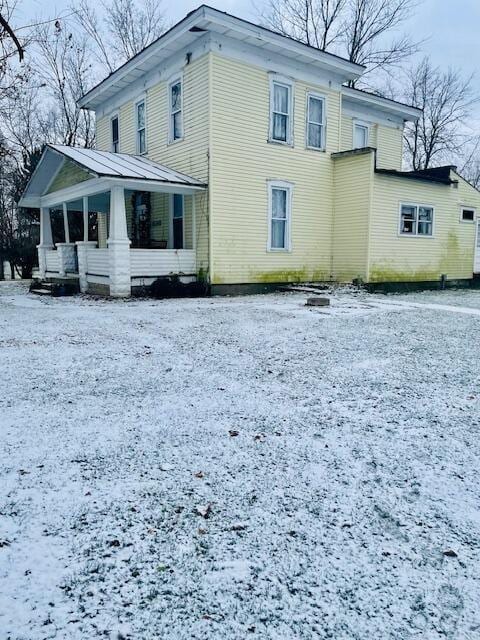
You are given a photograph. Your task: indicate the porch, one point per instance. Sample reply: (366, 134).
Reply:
(113, 234)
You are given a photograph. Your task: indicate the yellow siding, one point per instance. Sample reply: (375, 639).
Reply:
(189, 155)
(352, 203)
(102, 134)
(241, 163)
(389, 148)
(403, 258)
(69, 174)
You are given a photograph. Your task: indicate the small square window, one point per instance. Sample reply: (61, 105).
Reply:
(468, 215)
(360, 136)
(416, 220)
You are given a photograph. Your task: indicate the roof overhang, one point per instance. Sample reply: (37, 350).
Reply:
(106, 169)
(195, 25)
(386, 105)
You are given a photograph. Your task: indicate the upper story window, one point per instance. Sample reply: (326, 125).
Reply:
(315, 121)
(360, 135)
(140, 121)
(281, 108)
(115, 134)
(279, 215)
(175, 103)
(416, 220)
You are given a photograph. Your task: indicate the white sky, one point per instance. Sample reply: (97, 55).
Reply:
(450, 29)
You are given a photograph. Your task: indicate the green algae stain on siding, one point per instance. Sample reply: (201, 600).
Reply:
(69, 175)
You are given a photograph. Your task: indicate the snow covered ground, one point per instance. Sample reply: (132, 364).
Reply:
(240, 467)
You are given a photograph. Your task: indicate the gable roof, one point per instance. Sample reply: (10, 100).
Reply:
(207, 19)
(101, 164)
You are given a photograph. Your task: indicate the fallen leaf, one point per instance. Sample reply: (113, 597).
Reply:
(199, 474)
(233, 433)
(450, 553)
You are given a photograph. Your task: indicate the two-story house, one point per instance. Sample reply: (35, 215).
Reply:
(233, 154)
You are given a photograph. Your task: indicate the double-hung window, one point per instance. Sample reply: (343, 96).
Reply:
(315, 121)
(360, 135)
(280, 204)
(416, 220)
(141, 128)
(115, 134)
(175, 106)
(281, 111)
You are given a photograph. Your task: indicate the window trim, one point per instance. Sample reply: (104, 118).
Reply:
(177, 78)
(170, 222)
(466, 208)
(139, 100)
(316, 96)
(285, 82)
(417, 205)
(288, 186)
(365, 125)
(114, 115)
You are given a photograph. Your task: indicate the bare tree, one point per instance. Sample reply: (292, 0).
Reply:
(66, 71)
(368, 24)
(314, 22)
(132, 25)
(88, 20)
(446, 99)
(363, 31)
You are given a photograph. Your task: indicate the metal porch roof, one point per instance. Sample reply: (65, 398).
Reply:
(122, 165)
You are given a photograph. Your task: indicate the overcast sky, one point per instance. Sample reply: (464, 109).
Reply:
(451, 28)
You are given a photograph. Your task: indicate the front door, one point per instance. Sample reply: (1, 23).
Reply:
(476, 263)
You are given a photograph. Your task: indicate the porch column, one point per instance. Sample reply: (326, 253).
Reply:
(119, 245)
(82, 250)
(46, 242)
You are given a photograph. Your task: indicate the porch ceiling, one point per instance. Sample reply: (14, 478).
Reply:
(107, 169)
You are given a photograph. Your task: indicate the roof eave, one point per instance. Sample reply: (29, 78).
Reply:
(409, 113)
(349, 70)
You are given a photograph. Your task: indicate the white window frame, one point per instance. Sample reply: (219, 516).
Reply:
(417, 205)
(178, 78)
(466, 208)
(170, 223)
(365, 125)
(137, 129)
(289, 84)
(114, 116)
(322, 98)
(288, 187)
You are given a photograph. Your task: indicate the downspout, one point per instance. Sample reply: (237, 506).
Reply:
(373, 164)
(209, 170)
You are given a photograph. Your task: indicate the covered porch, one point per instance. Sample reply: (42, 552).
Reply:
(114, 233)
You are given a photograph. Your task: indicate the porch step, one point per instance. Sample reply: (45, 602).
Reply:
(54, 289)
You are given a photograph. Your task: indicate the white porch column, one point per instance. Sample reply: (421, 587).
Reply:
(46, 242)
(119, 245)
(65, 223)
(82, 256)
(85, 218)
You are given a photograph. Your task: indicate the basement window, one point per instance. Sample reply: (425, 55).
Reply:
(416, 220)
(468, 214)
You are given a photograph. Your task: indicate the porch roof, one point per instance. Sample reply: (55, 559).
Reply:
(106, 169)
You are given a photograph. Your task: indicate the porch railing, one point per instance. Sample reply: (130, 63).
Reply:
(52, 261)
(150, 263)
(98, 262)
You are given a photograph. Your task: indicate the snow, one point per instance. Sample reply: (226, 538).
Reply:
(346, 507)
